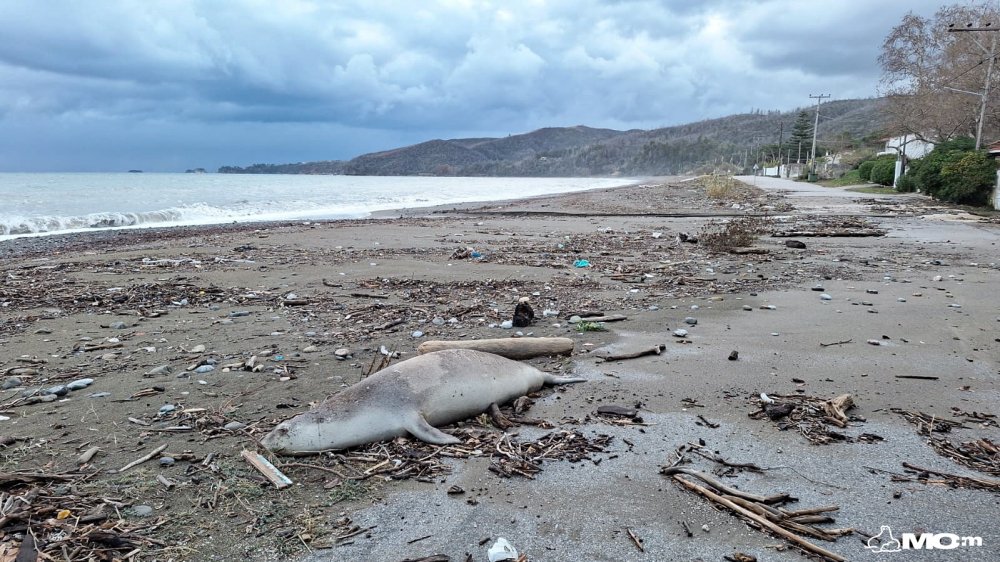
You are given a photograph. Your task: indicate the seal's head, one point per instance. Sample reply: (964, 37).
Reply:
(325, 429)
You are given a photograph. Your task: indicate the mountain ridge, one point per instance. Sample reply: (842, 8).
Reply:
(586, 151)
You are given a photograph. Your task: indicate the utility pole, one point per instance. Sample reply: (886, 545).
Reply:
(991, 53)
(819, 99)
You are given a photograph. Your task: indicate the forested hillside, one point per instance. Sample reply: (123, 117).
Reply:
(737, 140)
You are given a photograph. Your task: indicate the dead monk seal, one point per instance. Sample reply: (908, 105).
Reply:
(412, 397)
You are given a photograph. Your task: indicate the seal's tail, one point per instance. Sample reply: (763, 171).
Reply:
(552, 379)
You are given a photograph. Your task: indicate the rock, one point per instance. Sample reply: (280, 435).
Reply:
(747, 307)
(900, 299)
(234, 426)
(80, 384)
(937, 278)
(438, 321)
(342, 353)
(825, 297)
(205, 369)
(161, 370)
(167, 461)
(507, 324)
(310, 349)
(58, 390)
(690, 321)
(797, 244)
(239, 313)
(118, 325)
(141, 511)
(768, 307)
(871, 291)
(680, 333)
(200, 348)
(954, 305)
(818, 288)
(167, 408)
(734, 355)
(48, 398)
(778, 410)
(575, 319)
(43, 331)
(11, 382)
(874, 342)
(99, 395)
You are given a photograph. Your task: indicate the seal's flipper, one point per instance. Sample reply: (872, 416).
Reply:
(419, 428)
(552, 379)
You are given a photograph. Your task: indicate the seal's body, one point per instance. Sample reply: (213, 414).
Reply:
(412, 396)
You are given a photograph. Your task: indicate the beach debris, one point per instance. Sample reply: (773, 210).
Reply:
(87, 455)
(981, 454)
(524, 315)
(811, 416)
(501, 551)
(796, 244)
(918, 377)
(925, 476)
(511, 348)
(761, 511)
(841, 342)
(655, 350)
(581, 263)
(734, 355)
(144, 458)
(265, 467)
(635, 539)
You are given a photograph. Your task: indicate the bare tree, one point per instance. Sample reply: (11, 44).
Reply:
(934, 79)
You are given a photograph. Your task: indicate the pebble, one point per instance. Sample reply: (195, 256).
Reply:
(507, 324)
(161, 370)
(825, 297)
(310, 334)
(747, 307)
(310, 349)
(690, 321)
(680, 333)
(80, 384)
(43, 331)
(11, 382)
(141, 510)
(548, 313)
(48, 398)
(768, 307)
(167, 461)
(234, 426)
(58, 390)
(695, 307)
(438, 321)
(342, 353)
(900, 299)
(954, 305)
(775, 334)
(874, 342)
(417, 334)
(118, 325)
(167, 408)
(205, 369)
(734, 355)
(575, 319)
(99, 395)
(818, 288)
(239, 313)
(200, 348)
(937, 278)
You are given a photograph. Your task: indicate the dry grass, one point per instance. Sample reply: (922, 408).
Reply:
(740, 232)
(718, 186)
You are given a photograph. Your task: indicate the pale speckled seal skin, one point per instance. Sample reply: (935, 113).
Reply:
(412, 397)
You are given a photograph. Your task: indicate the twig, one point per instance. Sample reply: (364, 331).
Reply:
(836, 343)
(635, 539)
(143, 459)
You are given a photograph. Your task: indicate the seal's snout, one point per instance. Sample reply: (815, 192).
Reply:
(276, 441)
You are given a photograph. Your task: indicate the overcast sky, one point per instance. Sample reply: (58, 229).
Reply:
(164, 85)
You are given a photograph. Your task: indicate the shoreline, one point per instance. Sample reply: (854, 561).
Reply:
(138, 315)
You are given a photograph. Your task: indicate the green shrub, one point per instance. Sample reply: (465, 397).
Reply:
(865, 170)
(883, 171)
(927, 174)
(968, 180)
(906, 184)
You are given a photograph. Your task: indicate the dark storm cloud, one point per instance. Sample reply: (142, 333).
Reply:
(348, 77)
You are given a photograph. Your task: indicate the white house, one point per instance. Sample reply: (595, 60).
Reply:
(910, 144)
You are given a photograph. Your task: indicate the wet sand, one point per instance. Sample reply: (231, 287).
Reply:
(311, 289)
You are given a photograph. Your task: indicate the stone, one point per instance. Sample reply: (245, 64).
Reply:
(11, 382)
(690, 321)
(58, 390)
(167, 408)
(507, 324)
(205, 369)
(818, 288)
(575, 319)
(118, 325)
(438, 321)
(161, 370)
(99, 395)
(342, 353)
(680, 333)
(200, 348)
(734, 355)
(747, 307)
(797, 244)
(141, 511)
(310, 349)
(825, 297)
(417, 334)
(80, 384)
(48, 398)
(167, 461)
(234, 426)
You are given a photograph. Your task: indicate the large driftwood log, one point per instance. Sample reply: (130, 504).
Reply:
(511, 348)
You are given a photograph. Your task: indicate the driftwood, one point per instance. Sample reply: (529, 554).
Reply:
(655, 350)
(756, 517)
(608, 318)
(831, 233)
(835, 409)
(511, 348)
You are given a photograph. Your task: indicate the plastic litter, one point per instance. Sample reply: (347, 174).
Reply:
(581, 263)
(502, 550)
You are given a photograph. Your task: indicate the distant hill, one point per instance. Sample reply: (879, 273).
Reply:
(585, 151)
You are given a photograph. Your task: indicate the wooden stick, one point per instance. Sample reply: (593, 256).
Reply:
(836, 343)
(635, 539)
(609, 318)
(835, 409)
(917, 377)
(815, 549)
(673, 470)
(264, 466)
(511, 348)
(143, 459)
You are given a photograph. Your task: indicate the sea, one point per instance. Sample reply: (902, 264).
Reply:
(38, 204)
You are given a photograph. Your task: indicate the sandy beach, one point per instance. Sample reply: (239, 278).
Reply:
(199, 340)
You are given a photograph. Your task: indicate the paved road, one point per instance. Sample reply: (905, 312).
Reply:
(797, 188)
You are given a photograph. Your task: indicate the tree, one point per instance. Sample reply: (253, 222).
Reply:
(802, 132)
(923, 65)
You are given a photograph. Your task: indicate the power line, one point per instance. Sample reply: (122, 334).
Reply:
(819, 99)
